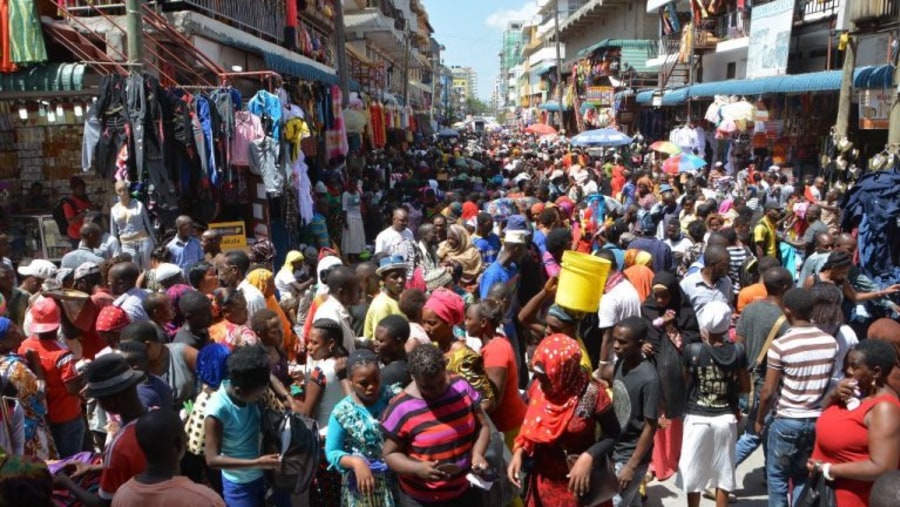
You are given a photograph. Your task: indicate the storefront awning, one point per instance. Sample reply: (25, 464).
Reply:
(288, 66)
(541, 69)
(875, 76)
(671, 97)
(51, 77)
(830, 80)
(617, 43)
(553, 106)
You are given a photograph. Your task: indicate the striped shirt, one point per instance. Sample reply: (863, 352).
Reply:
(805, 357)
(444, 430)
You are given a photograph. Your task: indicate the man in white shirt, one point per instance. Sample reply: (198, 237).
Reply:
(232, 274)
(394, 234)
(620, 300)
(343, 292)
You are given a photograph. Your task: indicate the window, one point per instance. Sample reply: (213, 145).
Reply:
(731, 70)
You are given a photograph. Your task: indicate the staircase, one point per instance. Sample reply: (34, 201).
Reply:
(82, 47)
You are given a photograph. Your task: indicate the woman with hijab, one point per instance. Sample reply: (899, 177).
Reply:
(638, 270)
(442, 312)
(263, 280)
(565, 405)
(674, 325)
(285, 280)
(459, 248)
(30, 386)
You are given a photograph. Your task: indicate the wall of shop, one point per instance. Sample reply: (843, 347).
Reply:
(715, 66)
(626, 22)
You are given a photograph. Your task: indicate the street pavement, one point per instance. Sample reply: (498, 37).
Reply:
(751, 491)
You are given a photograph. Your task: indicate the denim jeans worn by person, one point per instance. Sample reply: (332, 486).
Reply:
(630, 496)
(749, 440)
(790, 445)
(69, 436)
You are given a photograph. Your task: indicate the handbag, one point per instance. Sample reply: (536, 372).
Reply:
(818, 492)
(604, 483)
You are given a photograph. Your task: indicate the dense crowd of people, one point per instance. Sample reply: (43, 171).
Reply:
(410, 349)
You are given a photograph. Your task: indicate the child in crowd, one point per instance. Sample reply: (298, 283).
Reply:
(354, 441)
(160, 310)
(153, 391)
(233, 427)
(163, 441)
(391, 336)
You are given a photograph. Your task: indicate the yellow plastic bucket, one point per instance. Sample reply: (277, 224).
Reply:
(581, 281)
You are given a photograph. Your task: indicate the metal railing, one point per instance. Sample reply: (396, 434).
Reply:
(260, 18)
(733, 25)
(813, 10)
(866, 10)
(669, 44)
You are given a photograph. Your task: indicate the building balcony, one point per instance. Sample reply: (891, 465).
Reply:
(810, 11)
(869, 12)
(260, 19)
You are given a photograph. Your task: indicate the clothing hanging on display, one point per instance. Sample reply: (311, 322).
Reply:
(26, 39)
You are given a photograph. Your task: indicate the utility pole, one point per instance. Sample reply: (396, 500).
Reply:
(134, 32)
(894, 118)
(405, 86)
(559, 83)
(340, 53)
(845, 98)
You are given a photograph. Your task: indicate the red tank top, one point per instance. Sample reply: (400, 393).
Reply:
(842, 437)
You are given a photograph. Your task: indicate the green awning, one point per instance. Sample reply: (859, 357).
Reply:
(618, 43)
(50, 77)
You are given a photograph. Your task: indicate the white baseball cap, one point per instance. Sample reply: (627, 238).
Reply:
(39, 268)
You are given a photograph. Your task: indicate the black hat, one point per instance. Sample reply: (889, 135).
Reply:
(109, 375)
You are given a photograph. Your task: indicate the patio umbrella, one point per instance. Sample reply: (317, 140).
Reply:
(686, 162)
(665, 147)
(445, 132)
(540, 129)
(601, 137)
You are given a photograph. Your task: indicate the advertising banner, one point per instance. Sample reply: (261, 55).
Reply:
(770, 38)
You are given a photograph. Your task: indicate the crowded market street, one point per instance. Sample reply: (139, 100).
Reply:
(422, 253)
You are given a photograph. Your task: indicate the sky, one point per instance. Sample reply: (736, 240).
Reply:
(471, 32)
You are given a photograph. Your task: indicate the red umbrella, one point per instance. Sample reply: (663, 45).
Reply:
(541, 129)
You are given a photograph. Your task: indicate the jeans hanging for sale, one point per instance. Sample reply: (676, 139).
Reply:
(111, 112)
(264, 162)
(208, 152)
(137, 105)
(162, 187)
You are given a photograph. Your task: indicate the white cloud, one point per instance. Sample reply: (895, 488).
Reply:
(500, 18)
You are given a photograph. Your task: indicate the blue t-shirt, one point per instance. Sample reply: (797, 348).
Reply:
(489, 247)
(155, 392)
(493, 274)
(240, 432)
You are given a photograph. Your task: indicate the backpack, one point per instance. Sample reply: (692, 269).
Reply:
(59, 215)
(296, 438)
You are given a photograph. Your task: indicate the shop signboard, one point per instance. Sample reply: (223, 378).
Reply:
(874, 109)
(770, 38)
(234, 234)
(600, 95)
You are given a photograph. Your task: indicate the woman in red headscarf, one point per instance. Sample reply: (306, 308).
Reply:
(565, 405)
(443, 313)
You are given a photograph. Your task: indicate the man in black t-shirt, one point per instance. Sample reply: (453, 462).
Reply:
(716, 373)
(638, 412)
